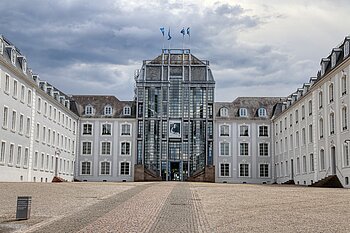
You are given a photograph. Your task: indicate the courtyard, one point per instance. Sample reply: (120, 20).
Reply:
(175, 207)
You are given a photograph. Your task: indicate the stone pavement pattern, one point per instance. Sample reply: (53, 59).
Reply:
(176, 207)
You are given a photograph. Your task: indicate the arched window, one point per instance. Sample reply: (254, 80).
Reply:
(127, 111)
(346, 48)
(343, 85)
(243, 112)
(320, 99)
(321, 128)
(344, 118)
(262, 112)
(331, 93)
(89, 110)
(108, 111)
(331, 123)
(223, 112)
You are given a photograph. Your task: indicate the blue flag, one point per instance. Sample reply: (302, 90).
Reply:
(162, 30)
(188, 31)
(169, 36)
(183, 31)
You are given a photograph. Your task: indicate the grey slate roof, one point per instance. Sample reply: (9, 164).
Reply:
(252, 104)
(98, 102)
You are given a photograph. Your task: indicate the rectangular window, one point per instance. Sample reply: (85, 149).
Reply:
(22, 93)
(263, 131)
(29, 98)
(14, 119)
(105, 148)
(264, 170)
(39, 105)
(290, 120)
(5, 117)
(224, 130)
(244, 131)
(42, 161)
(44, 134)
(125, 148)
(19, 156)
(225, 170)
(243, 149)
(224, 148)
(298, 165)
(244, 170)
(87, 129)
(15, 89)
(303, 112)
(303, 136)
(312, 166)
(86, 168)
(105, 168)
(21, 123)
(106, 129)
(2, 153)
(12, 148)
(310, 107)
(296, 116)
(124, 168)
(126, 129)
(7, 83)
(310, 134)
(346, 155)
(304, 164)
(263, 149)
(87, 148)
(322, 159)
(26, 156)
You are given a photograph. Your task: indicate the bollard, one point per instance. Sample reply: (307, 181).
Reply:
(23, 207)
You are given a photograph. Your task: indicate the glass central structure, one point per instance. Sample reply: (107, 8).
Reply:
(175, 97)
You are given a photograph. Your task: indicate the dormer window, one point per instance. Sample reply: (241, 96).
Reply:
(24, 65)
(262, 112)
(323, 68)
(89, 110)
(334, 59)
(127, 111)
(223, 112)
(1, 46)
(346, 49)
(13, 56)
(108, 111)
(243, 112)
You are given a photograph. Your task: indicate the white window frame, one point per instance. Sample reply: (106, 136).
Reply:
(127, 111)
(268, 170)
(239, 130)
(109, 170)
(239, 149)
(268, 131)
(243, 112)
(13, 56)
(262, 112)
(222, 133)
(89, 110)
(229, 169)
(7, 87)
(223, 112)
(333, 59)
(121, 148)
(121, 129)
(101, 148)
(346, 48)
(111, 129)
(239, 170)
(3, 152)
(343, 84)
(5, 117)
(81, 168)
(120, 168)
(108, 110)
(229, 148)
(268, 149)
(82, 148)
(87, 134)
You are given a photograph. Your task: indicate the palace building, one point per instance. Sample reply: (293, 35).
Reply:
(173, 130)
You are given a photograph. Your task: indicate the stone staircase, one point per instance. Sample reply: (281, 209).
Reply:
(331, 181)
(145, 174)
(207, 174)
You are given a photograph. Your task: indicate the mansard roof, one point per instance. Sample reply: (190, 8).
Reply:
(252, 104)
(98, 102)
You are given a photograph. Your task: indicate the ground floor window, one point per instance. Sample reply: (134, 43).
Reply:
(105, 168)
(124, 168)
(264, 170)
(244, 170)
(225, 169)
(86, 168)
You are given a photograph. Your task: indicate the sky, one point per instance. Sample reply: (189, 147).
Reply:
(255, 48)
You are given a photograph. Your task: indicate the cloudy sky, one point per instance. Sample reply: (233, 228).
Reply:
(255, 48)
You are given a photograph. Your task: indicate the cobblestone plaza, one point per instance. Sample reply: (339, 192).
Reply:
(175, 207)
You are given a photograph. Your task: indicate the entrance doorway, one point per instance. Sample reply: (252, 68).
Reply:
(292, 169)
(333, 161)
(174, 171)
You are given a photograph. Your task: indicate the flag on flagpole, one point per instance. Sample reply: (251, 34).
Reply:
(188, 32)
(169, 36)
(183, 32)
(162, 30)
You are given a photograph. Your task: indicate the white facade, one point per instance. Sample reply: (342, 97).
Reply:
(28, 151)
(311, 134)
